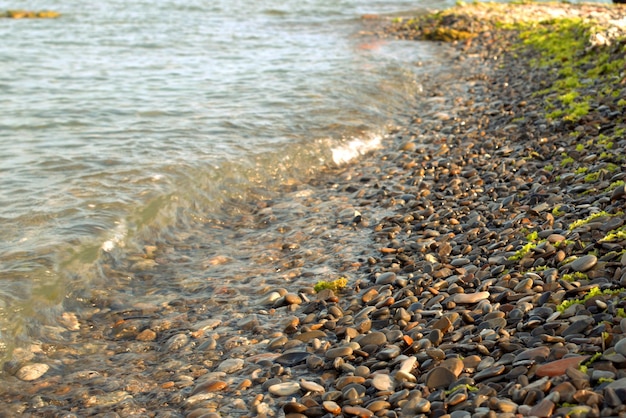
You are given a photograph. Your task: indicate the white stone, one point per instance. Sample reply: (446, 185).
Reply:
(231, 365)
(383, 382)
(32, 371)
(284, 389)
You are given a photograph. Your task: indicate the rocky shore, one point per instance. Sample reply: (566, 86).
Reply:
(493, 284)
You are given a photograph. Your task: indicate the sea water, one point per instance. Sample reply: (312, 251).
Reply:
(123, 123)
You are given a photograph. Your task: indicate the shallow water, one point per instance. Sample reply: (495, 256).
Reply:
(130, 124)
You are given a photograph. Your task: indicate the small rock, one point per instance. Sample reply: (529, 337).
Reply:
(383, 382)
(231, 365)
(373, 338)
(284, 389)
(32, 371)
(558, 367)
(338, 352)
(440, 377)
(332, 407)
(620, 347)
(311, 386)
(468, 298)
(584, 263)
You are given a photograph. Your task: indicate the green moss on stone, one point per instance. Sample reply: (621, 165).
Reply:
(334, 285)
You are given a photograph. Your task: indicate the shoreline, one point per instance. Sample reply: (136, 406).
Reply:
(462, 308)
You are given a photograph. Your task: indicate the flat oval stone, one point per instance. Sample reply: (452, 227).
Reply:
(309, 335)
(620, 347)
(311, 386)
(358, 411)
(332, 407)
(231, 365)
(470, 297)
(210, 386)
(440, 377)
(454, 364)
(293, 358)
(339, 352)
(386, 278)
(284, 389)
(383, 382)
(378, 405)
(404, 376)
(584, 263)
(558, 367)
(373, 338)
(537, 353)
(389, 353)
(32, 371)
(489, 372)
(578, 326)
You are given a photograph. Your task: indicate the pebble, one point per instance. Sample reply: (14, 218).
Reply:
(231, 365)
(383, 382)
(558, 367)
(469, 298)
(620, 347)
(311, 386)
(584, 263)
(284, 389)
(372, 338)
(32, 371)
(440, 377)
(339, 352)
(444, 317)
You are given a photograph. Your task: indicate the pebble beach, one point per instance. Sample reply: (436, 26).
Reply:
(473, 267)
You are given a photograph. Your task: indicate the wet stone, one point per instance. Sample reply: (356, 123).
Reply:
(231, 365)
(293, 358)
(386, 278)
(332, 407)
(545, 408)
(311, 386)
(32, 371)
(284, 389)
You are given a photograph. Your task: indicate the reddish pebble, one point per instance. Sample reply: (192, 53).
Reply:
(558, 367)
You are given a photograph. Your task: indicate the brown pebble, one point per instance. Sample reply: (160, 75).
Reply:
(358, 411)
(210, 386)
(332, 407)
(146, 335)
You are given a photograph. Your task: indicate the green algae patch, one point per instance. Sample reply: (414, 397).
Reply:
(593, 292)
(564, 49)
(334, 285)
(592, 217)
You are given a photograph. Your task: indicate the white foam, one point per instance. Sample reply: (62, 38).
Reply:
(355, 148)
(117, 237)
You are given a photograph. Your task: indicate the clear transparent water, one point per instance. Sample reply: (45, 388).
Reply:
(122, 122)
